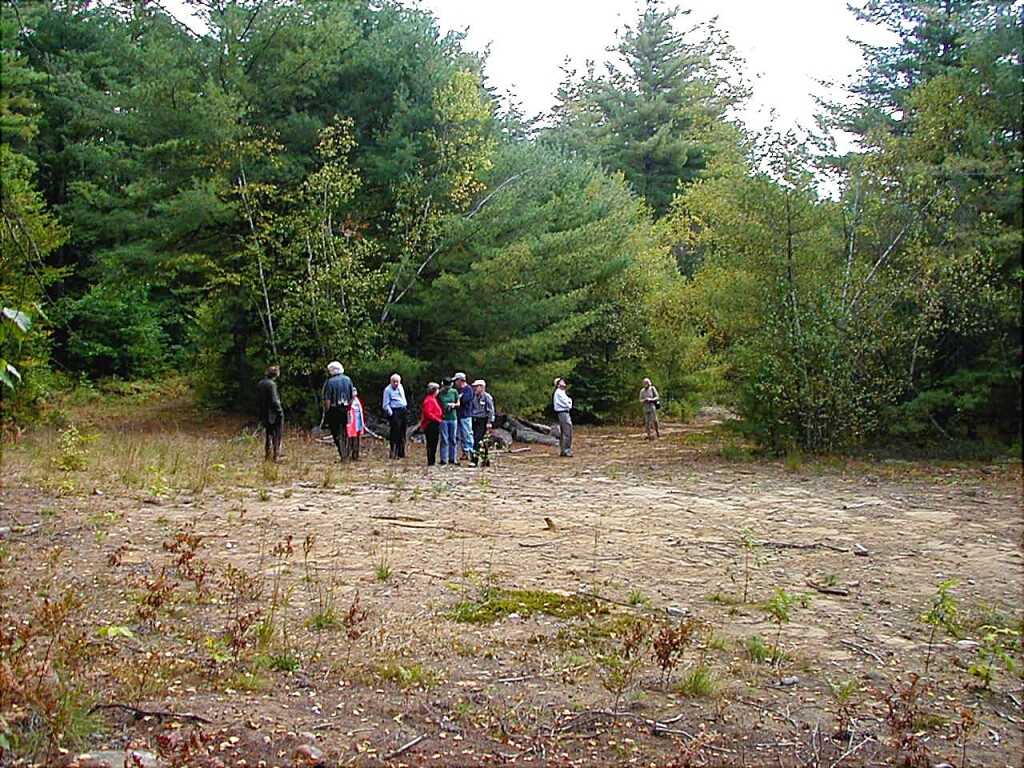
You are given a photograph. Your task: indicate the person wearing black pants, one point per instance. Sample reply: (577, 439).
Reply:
(399, 425)
(396, 408)
(430, 422)
(337, 397)
(271, 413)
(483, 415)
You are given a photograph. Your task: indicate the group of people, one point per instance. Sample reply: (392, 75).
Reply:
(455, 415)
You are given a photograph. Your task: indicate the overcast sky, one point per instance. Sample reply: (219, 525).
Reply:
(789, 45)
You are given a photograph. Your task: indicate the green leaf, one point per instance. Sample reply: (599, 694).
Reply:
(8, 373)
(19, 318)
(115, 630)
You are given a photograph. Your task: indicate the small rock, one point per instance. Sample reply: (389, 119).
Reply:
(788, 681)
(5, 532)
(308, 736)
(860, 550)
(307, 754)
(675, 612)
(514, 617)
(967, 645)
(117, 759)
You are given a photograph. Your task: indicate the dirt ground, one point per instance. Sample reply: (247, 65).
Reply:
(630, 533)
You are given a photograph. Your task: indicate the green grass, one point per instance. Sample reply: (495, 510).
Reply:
(323, 620)
(760, 651)
(700, 682)
(495, 603)
(413, 675)
(724, 598)
(638, 599)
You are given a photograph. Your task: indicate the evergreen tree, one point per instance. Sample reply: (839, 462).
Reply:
(658, 113)
(520, 281)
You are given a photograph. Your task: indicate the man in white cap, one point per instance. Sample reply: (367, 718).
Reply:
(465, 414)
(562, 404)
(483, 415)
(337, 397)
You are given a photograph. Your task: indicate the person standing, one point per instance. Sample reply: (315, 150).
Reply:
(651, 401)
(271, 414)
(563, 410)
(465, 415)
(483, 415)
(430, 422)
(356, 427)
(396, 407)
(449, 399)
(337, 398)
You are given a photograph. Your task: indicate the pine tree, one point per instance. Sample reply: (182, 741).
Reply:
(653, 115)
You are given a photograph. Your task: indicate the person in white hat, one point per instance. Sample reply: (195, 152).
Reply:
(562, 404)
(483, 415)
(465, 415)
(337, 396)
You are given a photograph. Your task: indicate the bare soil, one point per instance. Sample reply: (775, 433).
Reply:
(650, 531)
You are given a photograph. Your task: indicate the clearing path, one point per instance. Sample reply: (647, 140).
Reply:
(500, 602)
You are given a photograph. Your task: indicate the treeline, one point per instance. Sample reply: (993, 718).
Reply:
(294, 182)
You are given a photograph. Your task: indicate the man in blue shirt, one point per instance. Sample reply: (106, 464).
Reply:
(465, 415)
(396, 408)
(337, 397)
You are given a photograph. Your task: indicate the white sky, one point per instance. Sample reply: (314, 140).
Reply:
(788, 45)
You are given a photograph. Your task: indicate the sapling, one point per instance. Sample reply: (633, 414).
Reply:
(778, 609)
(751, 558)
(998, 644)
(942, 614)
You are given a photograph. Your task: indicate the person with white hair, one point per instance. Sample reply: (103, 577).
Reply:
(337, 397)
(396, 408)
(651, 401)
(483, 415)
(563, 410)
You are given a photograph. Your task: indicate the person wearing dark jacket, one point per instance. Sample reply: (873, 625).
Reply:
(271, 414)
(483, 416)
(465, 414)
(337, 397)
(430, 422)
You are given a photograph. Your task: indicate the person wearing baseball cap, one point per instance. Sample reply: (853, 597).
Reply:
(465, 415)
(483, 414)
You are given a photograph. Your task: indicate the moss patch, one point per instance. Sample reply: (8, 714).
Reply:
(495, 603)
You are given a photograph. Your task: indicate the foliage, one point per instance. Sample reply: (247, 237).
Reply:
(658, 114)
(942, 614)
(530, 274)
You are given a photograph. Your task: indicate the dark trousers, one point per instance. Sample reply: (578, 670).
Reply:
(397, 433)
(353, 447)
(272, 441)
(337, 422)
(479, 430)
(433, 433)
